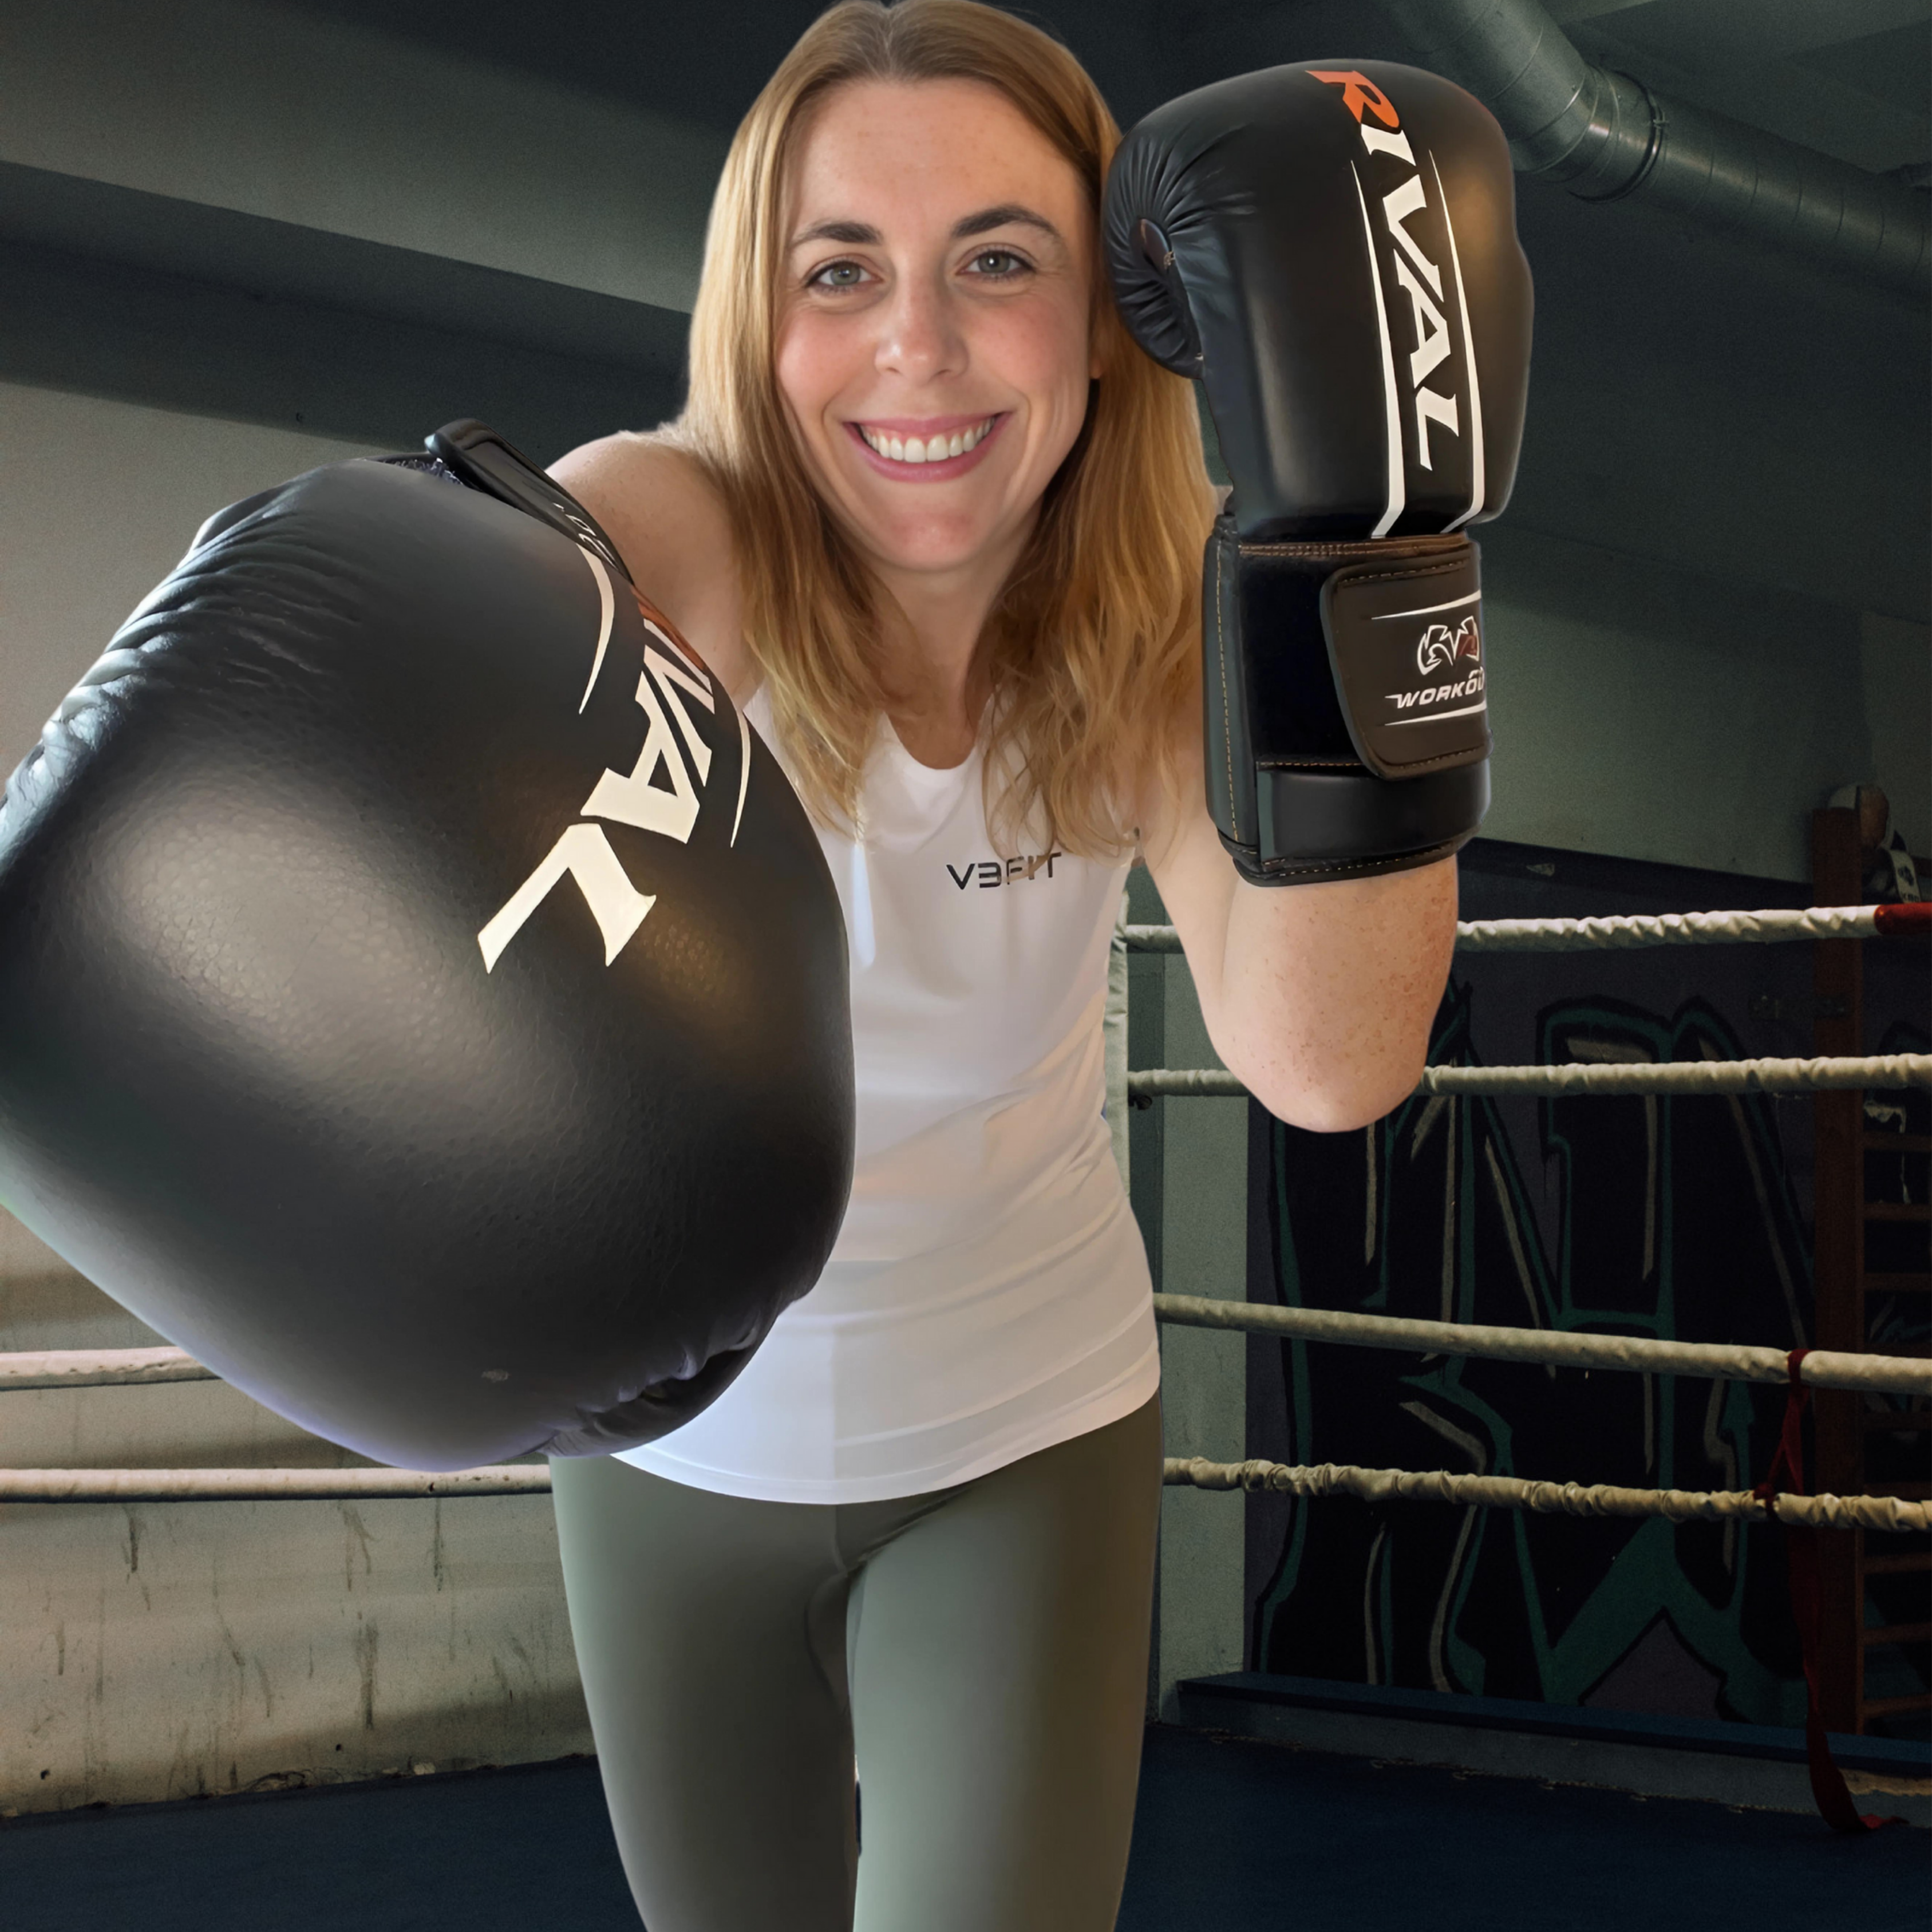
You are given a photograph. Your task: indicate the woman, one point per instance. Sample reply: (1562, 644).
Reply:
(937, 524)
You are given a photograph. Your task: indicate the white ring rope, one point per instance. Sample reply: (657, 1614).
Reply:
(1616, 932)
(1566, 1349)
(100, 1368)
(1444, 1485)
(192, 1486)
(1775, 925)
(1597, 1499)
(1881, 1374)
(1839, 1074)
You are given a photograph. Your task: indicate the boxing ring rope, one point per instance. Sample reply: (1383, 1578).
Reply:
(1773, 1500)
(1823, 1368)
(1444, 1486)
(1643, 1354)
(1869, 1374)
(196, 1486)
(1325, 1479)
(1833, 1075)
(1775, 926)
(1841, 1074)
(100, 1368)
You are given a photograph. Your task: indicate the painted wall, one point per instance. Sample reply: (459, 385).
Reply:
(1683, 1218)
(155, 1651)
(1651, 711)
(1188, 1174)
(98, 499)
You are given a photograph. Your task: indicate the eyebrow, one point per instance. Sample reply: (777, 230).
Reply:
(859, 234)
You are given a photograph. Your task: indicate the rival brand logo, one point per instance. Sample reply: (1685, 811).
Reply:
(657, 794)
(1438, 649)
(1438, 646)
(991, 872)
(1421, 280)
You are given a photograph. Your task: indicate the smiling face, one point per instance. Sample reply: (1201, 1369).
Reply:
(933, 347)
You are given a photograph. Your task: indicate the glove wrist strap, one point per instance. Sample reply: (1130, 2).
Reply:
(1345, 713)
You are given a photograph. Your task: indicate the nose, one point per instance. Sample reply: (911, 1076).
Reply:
(920, 338)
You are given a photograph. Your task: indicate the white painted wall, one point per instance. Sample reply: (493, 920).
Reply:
(98, 500)
(1647, 712)
(155, 1651)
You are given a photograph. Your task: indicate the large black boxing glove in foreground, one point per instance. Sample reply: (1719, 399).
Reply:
(421, 997)
(1331, 249)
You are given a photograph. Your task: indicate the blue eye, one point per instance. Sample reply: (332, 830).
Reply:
(839, 275)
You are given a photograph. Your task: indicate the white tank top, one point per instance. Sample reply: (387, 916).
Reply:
(988, 1293)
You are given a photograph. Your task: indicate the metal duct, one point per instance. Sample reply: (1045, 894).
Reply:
(1606, 136)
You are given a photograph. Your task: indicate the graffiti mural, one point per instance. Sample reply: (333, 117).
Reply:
(1672, 1217)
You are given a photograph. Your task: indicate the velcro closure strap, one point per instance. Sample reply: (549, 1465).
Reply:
(1346, 824)
(1405, 645)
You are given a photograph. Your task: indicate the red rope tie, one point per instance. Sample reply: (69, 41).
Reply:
(1829, 1790)
(1897, 922)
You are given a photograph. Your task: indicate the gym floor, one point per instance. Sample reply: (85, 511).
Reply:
(1232, 1836)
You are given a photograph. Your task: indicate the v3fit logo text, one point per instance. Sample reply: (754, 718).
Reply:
(991, 872)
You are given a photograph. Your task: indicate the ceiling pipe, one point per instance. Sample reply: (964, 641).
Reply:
(1607, 137)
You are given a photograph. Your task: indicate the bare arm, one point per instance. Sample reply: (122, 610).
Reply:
(1319, 997)
(671, 528)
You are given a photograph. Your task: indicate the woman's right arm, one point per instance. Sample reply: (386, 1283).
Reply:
(669, 526)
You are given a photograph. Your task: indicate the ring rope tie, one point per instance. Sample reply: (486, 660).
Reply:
(1786, 1473)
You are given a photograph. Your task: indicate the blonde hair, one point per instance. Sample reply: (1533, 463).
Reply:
(1090, 644)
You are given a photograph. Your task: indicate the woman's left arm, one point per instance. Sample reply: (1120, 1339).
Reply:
(1319, 997)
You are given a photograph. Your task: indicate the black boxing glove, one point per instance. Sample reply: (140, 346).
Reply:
(421, 997)
(1331, 250)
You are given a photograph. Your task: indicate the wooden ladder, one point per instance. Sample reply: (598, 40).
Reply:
(1842, 1284)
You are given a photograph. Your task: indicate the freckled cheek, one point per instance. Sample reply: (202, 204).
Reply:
(816, 360)
(1048, 364)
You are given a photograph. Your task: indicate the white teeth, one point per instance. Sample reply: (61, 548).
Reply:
(933, 449)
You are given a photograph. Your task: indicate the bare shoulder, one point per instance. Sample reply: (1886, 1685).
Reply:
(671, 528)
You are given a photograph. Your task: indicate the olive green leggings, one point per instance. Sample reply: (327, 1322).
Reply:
(985, 1646)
